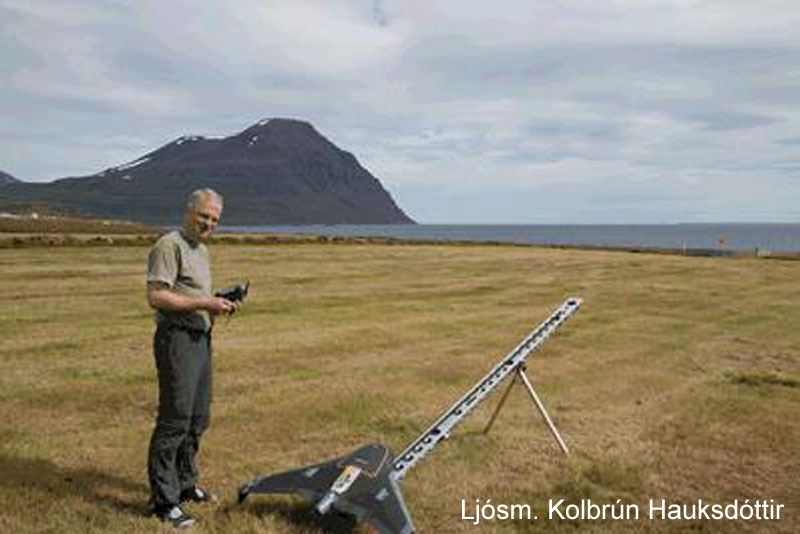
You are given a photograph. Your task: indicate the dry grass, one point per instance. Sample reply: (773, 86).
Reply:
(70, 224)
(678, 379)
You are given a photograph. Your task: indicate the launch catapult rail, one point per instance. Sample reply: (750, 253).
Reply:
(365, 483)
(513, 362)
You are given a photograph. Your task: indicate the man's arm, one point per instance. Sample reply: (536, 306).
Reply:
(161, 297)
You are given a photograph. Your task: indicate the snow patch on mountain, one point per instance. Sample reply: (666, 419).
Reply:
(132, 164)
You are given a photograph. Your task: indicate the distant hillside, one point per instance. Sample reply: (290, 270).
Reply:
(57, 224)
(278, 171)
(6, 178)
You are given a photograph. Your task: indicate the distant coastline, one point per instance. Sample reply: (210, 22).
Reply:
(721, 238)
(768, 240)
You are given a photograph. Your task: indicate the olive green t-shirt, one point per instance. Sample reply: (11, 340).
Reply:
(184, 266)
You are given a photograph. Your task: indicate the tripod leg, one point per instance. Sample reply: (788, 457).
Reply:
(542, 411)
(499, 405)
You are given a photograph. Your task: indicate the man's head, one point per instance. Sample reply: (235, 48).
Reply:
(203, 211)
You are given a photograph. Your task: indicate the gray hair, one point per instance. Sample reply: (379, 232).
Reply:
(200, 194)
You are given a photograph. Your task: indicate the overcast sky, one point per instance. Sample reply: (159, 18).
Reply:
(502, 111)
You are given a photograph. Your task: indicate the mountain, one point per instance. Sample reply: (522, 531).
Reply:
(6, 178)
(278, 171)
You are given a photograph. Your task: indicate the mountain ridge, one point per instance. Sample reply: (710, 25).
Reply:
(276, 171)
(6, 178)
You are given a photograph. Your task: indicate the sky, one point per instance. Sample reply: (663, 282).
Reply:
(501, 112)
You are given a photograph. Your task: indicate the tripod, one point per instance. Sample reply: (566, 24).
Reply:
(519, 374)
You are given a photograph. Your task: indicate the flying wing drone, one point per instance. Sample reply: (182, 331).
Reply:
(364, 483)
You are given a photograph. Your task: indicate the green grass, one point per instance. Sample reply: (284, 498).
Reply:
(678, 379)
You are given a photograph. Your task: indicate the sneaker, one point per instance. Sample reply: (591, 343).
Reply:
(176, 516)
(197, 494)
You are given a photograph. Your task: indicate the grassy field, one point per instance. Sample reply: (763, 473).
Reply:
(678, 379)
(25, 224)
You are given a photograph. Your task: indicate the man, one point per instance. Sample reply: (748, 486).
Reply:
(179, 289)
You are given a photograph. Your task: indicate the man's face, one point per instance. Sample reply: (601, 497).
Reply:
(203, 219)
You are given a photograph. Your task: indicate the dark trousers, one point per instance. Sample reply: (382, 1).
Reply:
(183, 360)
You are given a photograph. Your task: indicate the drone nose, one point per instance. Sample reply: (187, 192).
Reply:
(325, 503)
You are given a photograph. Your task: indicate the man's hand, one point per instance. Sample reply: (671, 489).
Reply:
(221, 305)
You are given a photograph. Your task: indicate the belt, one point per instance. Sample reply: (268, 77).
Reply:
(184, 328)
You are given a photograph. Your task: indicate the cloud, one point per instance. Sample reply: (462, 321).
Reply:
(664, 110)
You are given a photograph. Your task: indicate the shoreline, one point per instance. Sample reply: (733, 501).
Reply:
(81, 239)
(59, 230)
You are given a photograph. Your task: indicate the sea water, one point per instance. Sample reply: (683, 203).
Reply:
(721, 237)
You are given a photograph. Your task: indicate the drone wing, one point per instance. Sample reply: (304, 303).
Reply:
(311, 481)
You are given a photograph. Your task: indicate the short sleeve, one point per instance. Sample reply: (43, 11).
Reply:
(162, 265)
